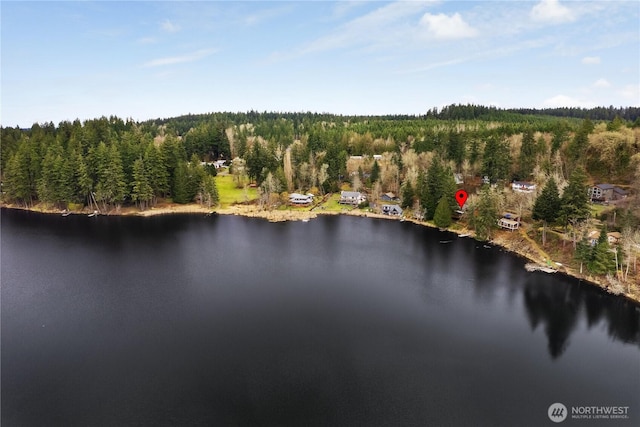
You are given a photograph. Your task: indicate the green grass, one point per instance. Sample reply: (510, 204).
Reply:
(229, 194)
(597, 210)
(332, 205)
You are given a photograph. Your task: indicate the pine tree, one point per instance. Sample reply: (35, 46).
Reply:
(485, 214)
(547, 206)
(16, 178)
(141, 191)
(375, 171)
(442, 217)
(407, 195)
(527, 155)
(602, 261)
(574, 204)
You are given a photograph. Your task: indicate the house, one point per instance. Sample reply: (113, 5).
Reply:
(377, 157)
(593, 236)
(458, 178)
(392, 210)
(606, 193)
(614, 237)
(352, 198)
(509, 224)
(509, 221)
(300, 199)
(389, 197)
(219, 163)
(523, 186)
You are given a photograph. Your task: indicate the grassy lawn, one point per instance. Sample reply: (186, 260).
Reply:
(597, 210)
(229, 194)
(332, 205)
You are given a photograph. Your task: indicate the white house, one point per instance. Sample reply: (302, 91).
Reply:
(523, 186)
(352, 198)
(300, 199)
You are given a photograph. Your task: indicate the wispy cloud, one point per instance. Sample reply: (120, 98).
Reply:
(146, 40)
(377, 27)
(552, 12)
(632, 93)
(444, 27)
(591, 60)
(601, 83)
(169, 26)
(189, 57)
(567, 101)
(266, 14)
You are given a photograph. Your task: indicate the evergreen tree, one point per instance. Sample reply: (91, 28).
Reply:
(527, 155)
(602, 260)
(485, 214)
(407, 195)
(375, 171)
(181, 184)
(442, 217)
(141, 191)
(574, 204)
(16, 178)
(547, 206)
(83, 180)
(496, 159)
(111, 188)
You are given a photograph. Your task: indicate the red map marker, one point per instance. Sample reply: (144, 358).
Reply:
(461, 197)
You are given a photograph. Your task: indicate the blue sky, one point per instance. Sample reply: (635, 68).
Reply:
(68, 60)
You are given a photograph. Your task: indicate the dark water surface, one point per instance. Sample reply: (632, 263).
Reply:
(194, 321)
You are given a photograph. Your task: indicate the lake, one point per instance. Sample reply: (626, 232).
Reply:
(189, 320)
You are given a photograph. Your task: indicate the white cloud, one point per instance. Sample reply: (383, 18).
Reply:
(631, 92)
(146, 40)
(445, 27)
(169, 26)
(567, 101)
(190, 57)
(591, 60)
(382, 26)
(551, 11)
(602, 83)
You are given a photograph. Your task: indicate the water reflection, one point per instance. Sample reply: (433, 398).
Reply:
(558, 307)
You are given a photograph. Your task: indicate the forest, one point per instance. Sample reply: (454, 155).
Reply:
(106, 163)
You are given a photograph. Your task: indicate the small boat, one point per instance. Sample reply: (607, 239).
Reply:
(464, 235)
(65, 213)
(305, 220)
(95, 213)
(446, 241)
(486, 246)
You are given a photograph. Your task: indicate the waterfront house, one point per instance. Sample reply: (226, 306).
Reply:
(389, 197)
(592, 237)
(509, 221)
(352, 198)
(394, 210)
(523, 186)
(606, 193)
(300, 199)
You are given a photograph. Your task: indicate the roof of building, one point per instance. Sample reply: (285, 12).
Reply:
(525, 183)
(619, 190)
(615, 235)
(350, 194)
(605, 186)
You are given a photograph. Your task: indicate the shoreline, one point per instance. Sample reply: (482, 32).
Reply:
(253, 211)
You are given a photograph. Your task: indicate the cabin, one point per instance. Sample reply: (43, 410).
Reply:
(606, 193)
(394, 210)
(389, 197)
(377, 157)
(352, 198)
(509, 221)
(508, 224)
(297, 199)
(614, 238)
(523, 186)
